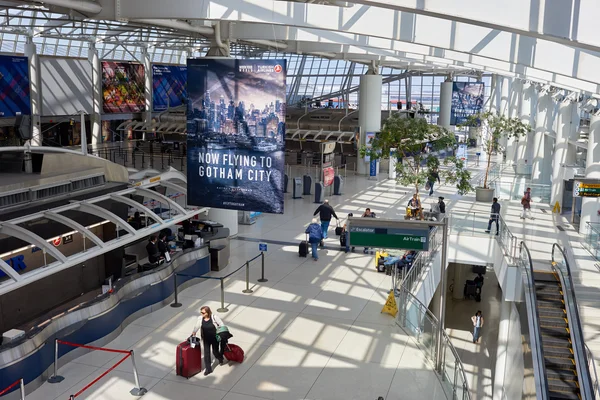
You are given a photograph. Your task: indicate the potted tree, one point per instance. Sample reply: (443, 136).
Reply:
(493, 128)
(415, 141)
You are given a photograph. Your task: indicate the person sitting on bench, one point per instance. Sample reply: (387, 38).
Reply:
(414, 209)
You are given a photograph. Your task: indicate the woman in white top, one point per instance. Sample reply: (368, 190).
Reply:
(477, 320)
(208, 323)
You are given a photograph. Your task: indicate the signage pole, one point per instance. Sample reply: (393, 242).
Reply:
(443, 293)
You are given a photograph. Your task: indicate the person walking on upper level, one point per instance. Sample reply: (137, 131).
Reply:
(325, 212)
(526, 203)
(431, 178)
(315, 235)
(494, 217)
(477, 320)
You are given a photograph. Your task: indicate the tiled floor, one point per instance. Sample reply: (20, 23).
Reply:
(313, 331)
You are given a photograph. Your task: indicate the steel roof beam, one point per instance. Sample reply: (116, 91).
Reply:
(104, 213)
(31, 238)
(135, 204)
(74, 225)
(161, 199)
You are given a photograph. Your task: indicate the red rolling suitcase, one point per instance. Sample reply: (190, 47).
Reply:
(188, 358)
(234, 353)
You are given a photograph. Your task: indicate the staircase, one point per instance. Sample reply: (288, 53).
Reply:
(561, 372)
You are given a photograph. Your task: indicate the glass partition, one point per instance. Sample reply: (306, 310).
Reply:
(591, 240)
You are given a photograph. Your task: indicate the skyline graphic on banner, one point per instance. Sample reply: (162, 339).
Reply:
(168, 86)
(14, 86)
(123, 87)
(236, 134)
(467, 100)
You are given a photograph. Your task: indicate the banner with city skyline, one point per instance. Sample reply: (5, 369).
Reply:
(123, 87)
(168, 86)
(467, 100)
(236, 134)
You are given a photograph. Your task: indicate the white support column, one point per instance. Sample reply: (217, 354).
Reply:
(590, 206)
(34, 92)
(504, 84)
(97, 99)
(541, 171)
(445, 103)
(369, 111)
(229, 219)
(564, 124)
(493, 100)
(527, 113)
(148, 87)
(514, 104)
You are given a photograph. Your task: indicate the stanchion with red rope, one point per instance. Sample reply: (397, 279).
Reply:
(19, 383)
(136, 391)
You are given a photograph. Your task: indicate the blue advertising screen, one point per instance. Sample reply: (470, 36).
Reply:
(14, 86)
(236, 134)
(467, 100)
(169, 86)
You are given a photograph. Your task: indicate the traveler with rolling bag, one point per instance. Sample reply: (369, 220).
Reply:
(234, 353)
(209, 325)
(315, 235)
(188, 359)
(303, 248)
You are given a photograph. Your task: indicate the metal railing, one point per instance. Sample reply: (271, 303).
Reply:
(592, 369)
(591, 240)
(416, 320)
(511, 190)
(585, 376)
(533, 319)
(224, 309)
(421, 261)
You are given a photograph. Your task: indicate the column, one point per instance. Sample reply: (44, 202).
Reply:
(445, 103)
(34, 92)
(541, 170)
(493, 100)
(148, 89)
(97, 99)
(503, 109)
(369, 111)
(527, 115)
(590, 205)
(564, 124)
(514, 104)
(229, 219)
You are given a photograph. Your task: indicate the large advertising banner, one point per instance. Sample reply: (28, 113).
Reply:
(169, 86)
(467, 100)
(123, 87)
(14, 86)
(236, 134)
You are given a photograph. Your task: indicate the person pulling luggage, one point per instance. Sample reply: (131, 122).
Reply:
(325, 212)
(315, 235)
(208, 323)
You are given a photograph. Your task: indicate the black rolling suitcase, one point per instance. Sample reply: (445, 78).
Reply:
(303, 248)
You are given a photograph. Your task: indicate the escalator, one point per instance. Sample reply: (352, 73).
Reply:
(559, 359)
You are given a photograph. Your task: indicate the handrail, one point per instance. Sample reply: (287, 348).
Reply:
(583, 373)
(592, 367)
(402, 319)
(539, 366)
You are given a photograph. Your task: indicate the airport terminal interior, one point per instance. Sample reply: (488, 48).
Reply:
(299, 200)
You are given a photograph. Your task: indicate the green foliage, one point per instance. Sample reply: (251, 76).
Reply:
(409, 137)
(494, 127)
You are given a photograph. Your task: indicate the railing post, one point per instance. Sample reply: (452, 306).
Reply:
(441, 320)
(247, 290)
(175, 304)
(262, 268)
(137, 390)
(55, 378)
(222, 309)
(22, 389)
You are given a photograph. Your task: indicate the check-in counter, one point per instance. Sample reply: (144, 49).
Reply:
(97, 321)
(217, 238)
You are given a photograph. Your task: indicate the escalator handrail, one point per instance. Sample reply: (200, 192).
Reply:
(583, 372)
(592, 362)
(535, 334)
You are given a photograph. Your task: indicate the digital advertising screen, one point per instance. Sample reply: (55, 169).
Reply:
(14, 86)
(236, 134)
(123, 87)
(168, 86)
(467, 100)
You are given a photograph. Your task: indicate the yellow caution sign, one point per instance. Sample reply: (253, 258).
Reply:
(390, 305)
(556, 208)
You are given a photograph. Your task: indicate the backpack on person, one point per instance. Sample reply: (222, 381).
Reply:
(524, 201)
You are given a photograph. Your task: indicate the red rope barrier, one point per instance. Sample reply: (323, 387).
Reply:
(93, 347)
(101, 376)
(10, 387)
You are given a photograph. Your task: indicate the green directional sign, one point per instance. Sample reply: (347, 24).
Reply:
(388, 234)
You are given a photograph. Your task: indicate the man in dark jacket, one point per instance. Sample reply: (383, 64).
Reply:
(152, 249)
(494, 216)
(431, 178)
(325, 212)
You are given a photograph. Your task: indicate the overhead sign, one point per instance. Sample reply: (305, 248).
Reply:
(168, 86)
(235, 134)
(262, 247)
(388, 234)
(67, 239)
(328, 147)
(56, 242)
(14, 86)
(467, 100)
(586, 189)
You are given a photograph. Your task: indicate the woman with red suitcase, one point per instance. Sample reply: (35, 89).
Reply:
(208, 324)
